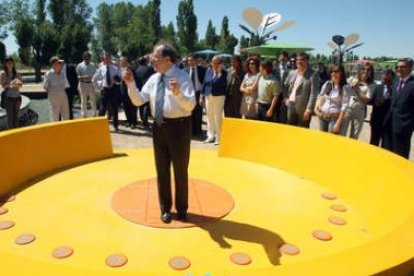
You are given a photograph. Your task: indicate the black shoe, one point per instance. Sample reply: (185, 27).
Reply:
(166, 217)
(182, 216)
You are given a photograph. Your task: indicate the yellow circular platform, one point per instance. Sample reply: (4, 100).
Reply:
(272, 208)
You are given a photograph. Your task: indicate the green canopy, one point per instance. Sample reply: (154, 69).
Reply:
(274, 49)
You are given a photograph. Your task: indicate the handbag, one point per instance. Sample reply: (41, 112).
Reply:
(3, 99)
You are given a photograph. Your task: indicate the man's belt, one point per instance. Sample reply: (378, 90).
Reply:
(179, 119)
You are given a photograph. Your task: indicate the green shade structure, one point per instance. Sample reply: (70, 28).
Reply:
(208, 53)
(275, 48)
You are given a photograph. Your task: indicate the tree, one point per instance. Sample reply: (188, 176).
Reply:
(105, 28)
(244, 42)
(187, 25)
(34, 33)
(169, 34)
(155, 20)
(211, 38)
(71, 21)
(227, 41)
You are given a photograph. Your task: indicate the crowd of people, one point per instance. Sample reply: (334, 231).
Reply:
(287, 91)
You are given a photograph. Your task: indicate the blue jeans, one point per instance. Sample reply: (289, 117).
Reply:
(327, 125)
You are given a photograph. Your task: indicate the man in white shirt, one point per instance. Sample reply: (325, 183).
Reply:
(85, 71)
(55, 83)
(107, 79)
(172, 98)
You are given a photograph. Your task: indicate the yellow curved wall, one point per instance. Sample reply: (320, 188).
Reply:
(30, 152)
(377, 183)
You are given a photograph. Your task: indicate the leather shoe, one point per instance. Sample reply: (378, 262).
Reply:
(182, 216)
(166, 217)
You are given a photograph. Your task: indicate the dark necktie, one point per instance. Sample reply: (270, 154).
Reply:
(389, 91)
(159, 101)
(193, 76)
(400, 87)
(108, 76)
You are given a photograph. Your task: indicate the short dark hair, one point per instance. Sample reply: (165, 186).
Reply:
(284, 53)
(267, 65)
(389, 72)
(167, 51)
(86, 54)
(407, 61)
(303, 55)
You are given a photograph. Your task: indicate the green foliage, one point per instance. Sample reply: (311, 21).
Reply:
(244, 42)
(155, 20)
(187, 26)
(227, 41)
(211, 37)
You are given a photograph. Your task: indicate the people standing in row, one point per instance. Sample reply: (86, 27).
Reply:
(301, 92)
(143, 72)
(130, 109)
(55, 84)
(381, 103)
(106, 80)
(196, 74)
(333, 101)
(399, 121)
(213, 95)
(85, 70)
(172, 98)
(248, 108)
(11, 81)
(235, 75)
(358, 103)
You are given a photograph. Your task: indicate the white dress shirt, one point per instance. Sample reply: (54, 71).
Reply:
(99, 79)
(174, 106)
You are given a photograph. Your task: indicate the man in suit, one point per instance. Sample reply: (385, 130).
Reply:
(281, 72)
(72, 90)
(399, 122)
(381, 102)
(196, 74)
(142, 73)
(301, 92)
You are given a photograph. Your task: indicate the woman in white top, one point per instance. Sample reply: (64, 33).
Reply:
(248, 108)
(358, 103)
(333, 101)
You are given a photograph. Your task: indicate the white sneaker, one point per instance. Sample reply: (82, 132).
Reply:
(209, 140)
(217, 142)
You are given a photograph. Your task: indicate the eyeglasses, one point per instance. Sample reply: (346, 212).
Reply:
(252, 63)
(335, 71)
(400, 66)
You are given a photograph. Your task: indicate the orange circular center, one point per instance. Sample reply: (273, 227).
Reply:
(138, 202)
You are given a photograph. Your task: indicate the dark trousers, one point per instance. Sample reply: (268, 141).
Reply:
(377, 133)
(144, 111)
(398, 143)
(294, 118)
(109, 100)
(197, 116)
(281, 111)
(172, 145)
(130, 110)
(12, 111)
(70, 92)
(261, 112)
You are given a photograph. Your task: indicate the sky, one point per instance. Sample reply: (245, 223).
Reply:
(384, 26)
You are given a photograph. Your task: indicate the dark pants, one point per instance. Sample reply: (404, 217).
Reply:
(261, 112)
(398, 143)
(281, 111)
(197, 116)
(377, 133)
(144, 111)
(12, 110)
(294, 118)
(130, 110)
(109, 100)
(172, 145)
(70, 92)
